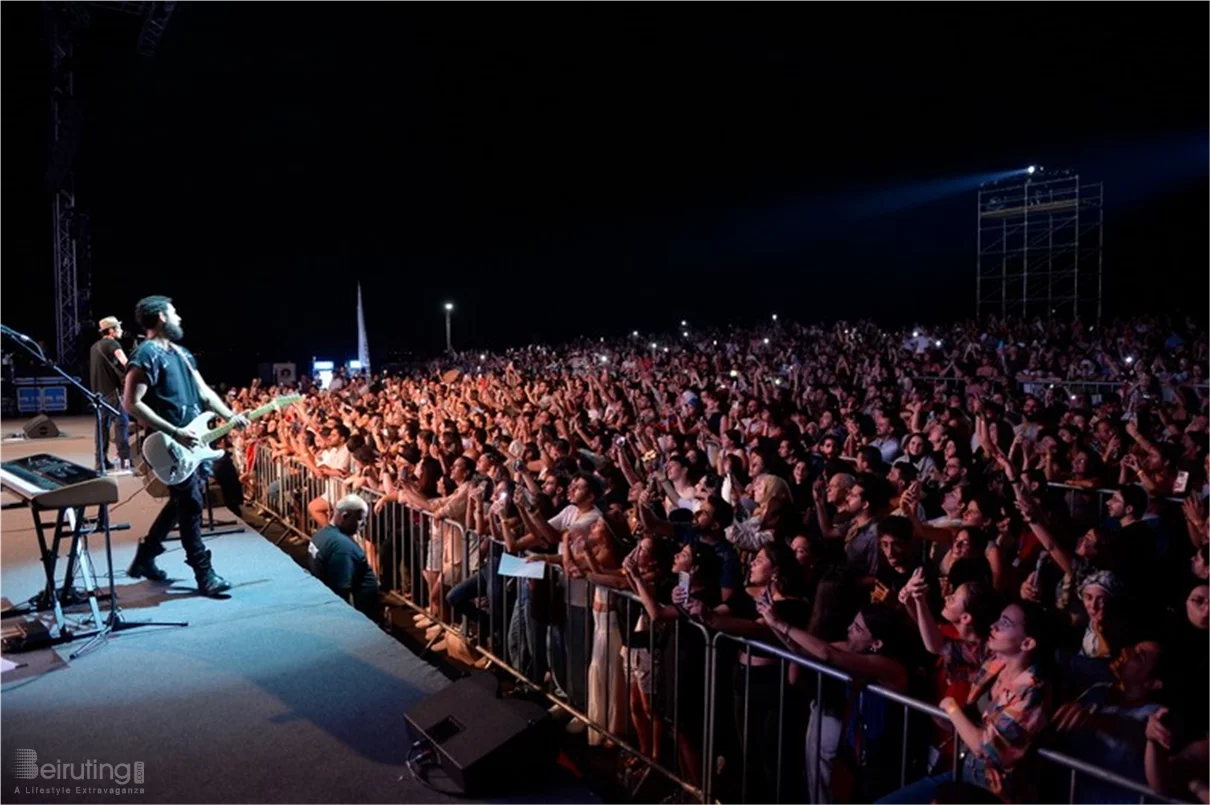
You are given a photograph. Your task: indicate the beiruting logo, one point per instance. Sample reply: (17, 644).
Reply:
(26, 767)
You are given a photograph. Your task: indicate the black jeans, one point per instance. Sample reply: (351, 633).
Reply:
(185, 504)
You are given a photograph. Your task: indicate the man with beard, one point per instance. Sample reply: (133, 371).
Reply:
(165, 391)
(1031, 420)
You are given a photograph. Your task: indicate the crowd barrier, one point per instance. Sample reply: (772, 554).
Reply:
(576, 643)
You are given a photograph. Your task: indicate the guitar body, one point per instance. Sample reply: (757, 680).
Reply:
(170, 461)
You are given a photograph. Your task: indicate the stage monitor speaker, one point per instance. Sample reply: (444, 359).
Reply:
(41, 427)
(483, 742)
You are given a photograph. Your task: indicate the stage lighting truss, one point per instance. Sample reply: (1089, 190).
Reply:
(66, 24)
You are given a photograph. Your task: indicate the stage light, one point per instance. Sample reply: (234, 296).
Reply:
(684, 323)
(735, 373)
(665, 349)
(915, 333)
(766, 341)
(715, 343)
(774, 317)
(777, 381)
(1030, 170)
(654, 345)
(937, 342)
(1129, 359)
(635, 334)
(685, 334)
(604, 359)
(482, 358)
(449, 305)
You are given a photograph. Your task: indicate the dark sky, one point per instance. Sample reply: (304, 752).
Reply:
(558, 169)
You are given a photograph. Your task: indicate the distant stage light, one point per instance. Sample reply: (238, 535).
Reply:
(774, 317)
(684, 323)
(654, 345)
(735, 373)
(635, 334)
(766, 341)
(1030, 170)
(685, 334)
(915, 333)
(938, 343)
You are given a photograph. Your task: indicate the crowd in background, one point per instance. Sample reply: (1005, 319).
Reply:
(804, 487)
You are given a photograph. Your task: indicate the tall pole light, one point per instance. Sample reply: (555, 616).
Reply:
(449, 344)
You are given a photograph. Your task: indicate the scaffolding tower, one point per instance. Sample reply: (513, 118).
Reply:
(1039, 247)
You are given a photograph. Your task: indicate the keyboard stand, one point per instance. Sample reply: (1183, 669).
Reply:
(68, 522)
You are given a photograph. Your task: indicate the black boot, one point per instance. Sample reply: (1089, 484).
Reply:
(143, 566)
(208, 582)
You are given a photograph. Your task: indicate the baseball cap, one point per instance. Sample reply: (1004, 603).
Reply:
(107, 322)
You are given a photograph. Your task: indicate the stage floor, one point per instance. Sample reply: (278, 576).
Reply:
(279, 693)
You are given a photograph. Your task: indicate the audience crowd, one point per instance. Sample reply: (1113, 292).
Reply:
(1007, 519)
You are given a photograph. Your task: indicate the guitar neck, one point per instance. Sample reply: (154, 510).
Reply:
(222, 430)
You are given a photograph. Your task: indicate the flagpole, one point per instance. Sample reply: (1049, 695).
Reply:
(363, 347)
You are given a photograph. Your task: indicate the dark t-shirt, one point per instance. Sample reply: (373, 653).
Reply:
(105, 374)
(171, 389)
(340, 563)
(731, 572)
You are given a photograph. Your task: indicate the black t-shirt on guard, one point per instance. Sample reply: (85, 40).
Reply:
(171, 390)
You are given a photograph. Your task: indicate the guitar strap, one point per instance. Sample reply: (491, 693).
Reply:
(189, 379)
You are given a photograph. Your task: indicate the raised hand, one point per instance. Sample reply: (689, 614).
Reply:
(1029, 588)
(1156, 731)
(1193, 511)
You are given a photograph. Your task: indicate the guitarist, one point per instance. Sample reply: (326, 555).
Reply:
(165, 391)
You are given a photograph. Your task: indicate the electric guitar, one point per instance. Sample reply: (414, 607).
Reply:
(172, 462)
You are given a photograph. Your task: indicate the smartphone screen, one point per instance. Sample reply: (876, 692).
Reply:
(683, 581)
(1182, 481)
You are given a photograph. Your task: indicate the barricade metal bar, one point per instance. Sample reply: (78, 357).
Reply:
(1104, 775)
(405, 529)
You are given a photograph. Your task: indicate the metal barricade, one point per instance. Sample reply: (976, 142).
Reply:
(597, 659)
(600, 666)
(855, 718)
(805, 731)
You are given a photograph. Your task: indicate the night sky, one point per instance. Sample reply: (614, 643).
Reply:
(566, 169)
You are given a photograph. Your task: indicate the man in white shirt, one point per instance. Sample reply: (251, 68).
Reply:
(569, 530)
(332, 463)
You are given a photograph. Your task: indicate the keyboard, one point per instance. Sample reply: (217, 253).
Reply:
(54, 483)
